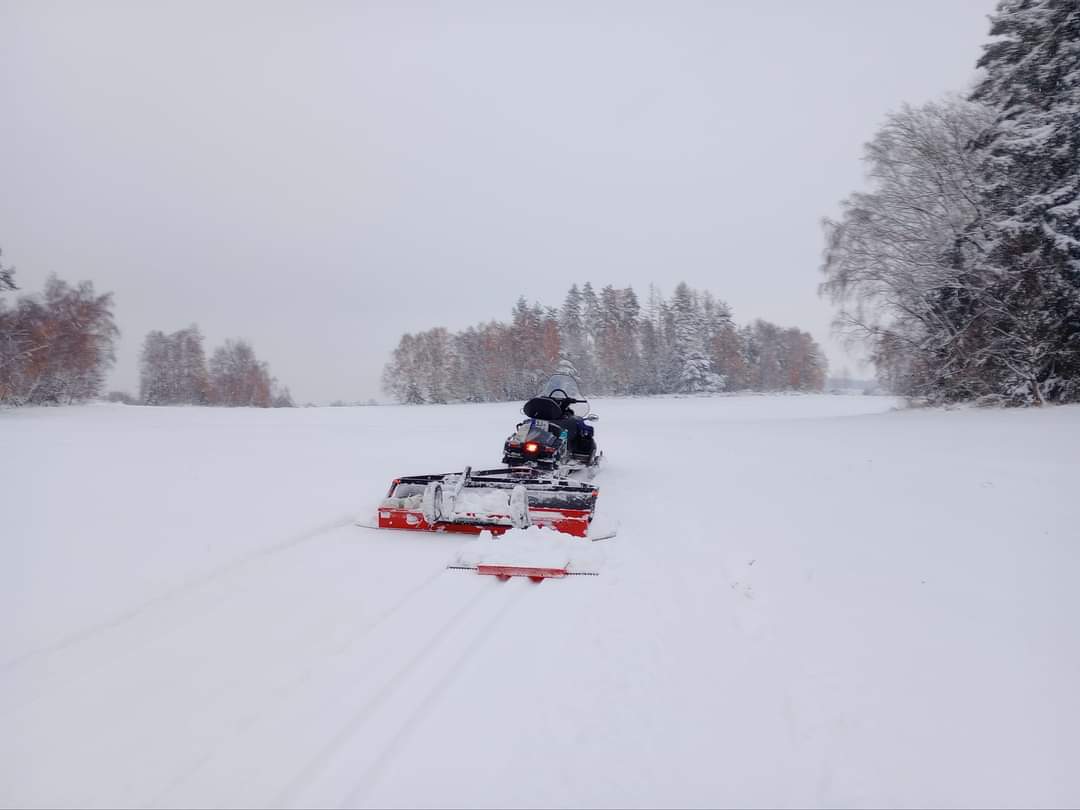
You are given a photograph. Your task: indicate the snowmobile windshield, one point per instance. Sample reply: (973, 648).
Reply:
(566, 383)
(563, 381)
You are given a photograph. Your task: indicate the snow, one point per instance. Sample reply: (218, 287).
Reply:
(480, 501)
(811, 600)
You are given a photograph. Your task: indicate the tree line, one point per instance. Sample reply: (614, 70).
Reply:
(173, 370)
(960, 269)
(683, 344)
(56, 347)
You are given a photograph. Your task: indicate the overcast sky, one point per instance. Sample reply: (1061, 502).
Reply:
(321, 177)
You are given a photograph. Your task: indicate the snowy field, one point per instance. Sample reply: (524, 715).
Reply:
(811, 600)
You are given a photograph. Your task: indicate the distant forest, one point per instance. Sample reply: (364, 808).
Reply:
(683, 344)
(57, 347)
(173, 371)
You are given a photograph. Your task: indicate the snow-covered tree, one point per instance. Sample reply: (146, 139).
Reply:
(1032, 196)
(650, 374)
(656, 340)
(689, 344)
(902, 261)
(56, 347)
(472, 384)
(608, 345)
(574, 340)
(193, 382)
(719, 339)
(434, 360)
(402, 375)
(629, 337)
(280, 396)
(802, 362)
(238, 377)
(7, 276)
(155, 383)
(590, 321)
(172, 368)
(534, 347)
(571, 330)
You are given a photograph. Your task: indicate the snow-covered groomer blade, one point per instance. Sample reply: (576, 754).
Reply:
(488, 500)
(536, 553)
(505, 571)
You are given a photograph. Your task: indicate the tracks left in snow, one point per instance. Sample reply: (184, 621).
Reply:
(164, 599)
(170, 704)
(383, 719)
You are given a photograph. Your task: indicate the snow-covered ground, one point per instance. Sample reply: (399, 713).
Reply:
(810, 601)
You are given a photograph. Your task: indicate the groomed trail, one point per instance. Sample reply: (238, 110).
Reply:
(811, 600)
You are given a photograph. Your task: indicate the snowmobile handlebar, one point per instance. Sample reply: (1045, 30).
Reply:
(565, 397)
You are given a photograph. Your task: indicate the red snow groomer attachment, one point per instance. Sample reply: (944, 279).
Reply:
(488, 500)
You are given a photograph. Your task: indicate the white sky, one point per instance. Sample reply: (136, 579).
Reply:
(321, 177)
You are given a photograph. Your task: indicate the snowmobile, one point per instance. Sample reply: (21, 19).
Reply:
(535, 490)
(556, 436)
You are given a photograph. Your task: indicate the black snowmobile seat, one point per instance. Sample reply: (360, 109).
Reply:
(543, 408)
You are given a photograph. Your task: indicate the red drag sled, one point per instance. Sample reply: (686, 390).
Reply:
(496, 501)
(488, 500)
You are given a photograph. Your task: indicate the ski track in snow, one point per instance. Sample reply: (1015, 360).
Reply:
(392, 743)
(371, 703)
(339, 649)
(183, 588)
(282, 691)
(392, 750)
(814, 602)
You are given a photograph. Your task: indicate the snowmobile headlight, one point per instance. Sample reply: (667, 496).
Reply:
(531, 447)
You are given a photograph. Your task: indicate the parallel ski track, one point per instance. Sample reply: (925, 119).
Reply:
(276, 695)
(311, 770)
(359, 718)
(192, 583)
(424, 707)
(133, 651)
